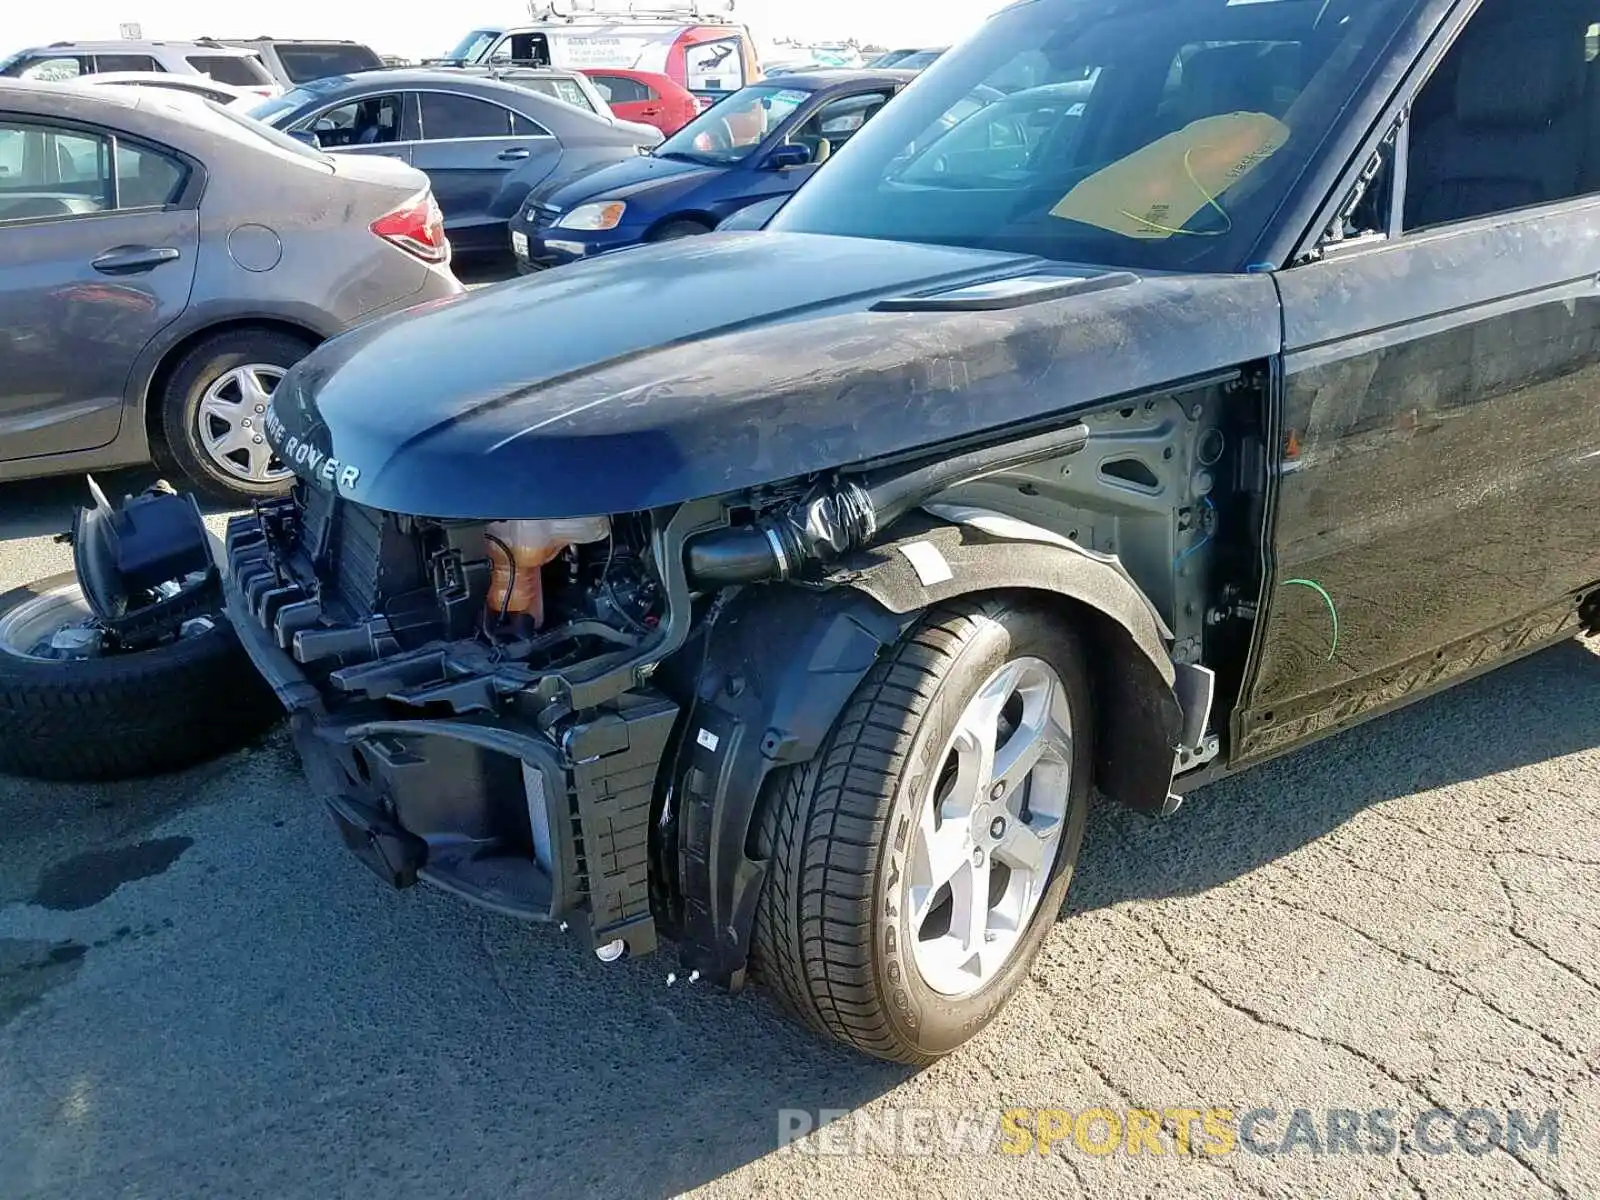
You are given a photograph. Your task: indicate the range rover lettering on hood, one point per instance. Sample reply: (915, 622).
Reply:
(308, 461)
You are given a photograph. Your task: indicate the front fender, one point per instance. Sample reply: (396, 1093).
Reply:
(778, 664)
(1139, 724)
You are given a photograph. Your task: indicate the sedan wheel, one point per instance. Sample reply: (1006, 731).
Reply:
(214, 411)
(232, 416)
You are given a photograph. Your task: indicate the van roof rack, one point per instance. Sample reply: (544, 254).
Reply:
(687, 12)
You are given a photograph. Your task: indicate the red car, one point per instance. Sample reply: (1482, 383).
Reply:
(646, 97)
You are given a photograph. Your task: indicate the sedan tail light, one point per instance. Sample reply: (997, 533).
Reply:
(417, 227)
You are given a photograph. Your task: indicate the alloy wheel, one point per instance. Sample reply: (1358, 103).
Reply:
(990, 829)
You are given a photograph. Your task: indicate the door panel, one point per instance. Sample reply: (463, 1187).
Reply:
(469, 152)
(69, 331)
(1441, 468)
(642, 112)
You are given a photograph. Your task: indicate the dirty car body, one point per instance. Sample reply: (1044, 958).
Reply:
(1282, 455)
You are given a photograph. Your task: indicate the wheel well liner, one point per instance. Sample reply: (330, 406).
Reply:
(754, 712)
(150, 407)
(1140, 719)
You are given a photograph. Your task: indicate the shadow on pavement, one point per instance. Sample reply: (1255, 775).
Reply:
(1541, 708)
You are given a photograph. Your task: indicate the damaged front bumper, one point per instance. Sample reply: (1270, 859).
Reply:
(541, 815)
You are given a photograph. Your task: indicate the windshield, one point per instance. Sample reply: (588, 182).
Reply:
(1153, 134)
(732, 129)
(474, 44)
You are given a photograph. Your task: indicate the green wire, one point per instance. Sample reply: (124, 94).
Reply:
(1333, 610)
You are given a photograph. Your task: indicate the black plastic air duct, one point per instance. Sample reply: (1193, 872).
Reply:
(845, 515)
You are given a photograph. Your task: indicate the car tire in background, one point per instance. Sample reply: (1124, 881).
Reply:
(673, 230)
(855, 933)
(120, 716)
(212, 414)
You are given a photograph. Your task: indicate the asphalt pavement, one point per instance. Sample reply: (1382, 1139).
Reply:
(201, 993)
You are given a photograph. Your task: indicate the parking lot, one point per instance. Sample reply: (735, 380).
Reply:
(1363, 970)
(200, 992)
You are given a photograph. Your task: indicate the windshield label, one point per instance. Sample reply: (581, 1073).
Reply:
(1156, 191)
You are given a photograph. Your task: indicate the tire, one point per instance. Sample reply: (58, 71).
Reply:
(833, 937)
(673, 230)
(129, 715)
(181, 447)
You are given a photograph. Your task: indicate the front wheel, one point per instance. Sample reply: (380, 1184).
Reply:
(916, 865)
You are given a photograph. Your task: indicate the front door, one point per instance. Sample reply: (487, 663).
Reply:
(1440, 472)
(472, 149)
(97, 255)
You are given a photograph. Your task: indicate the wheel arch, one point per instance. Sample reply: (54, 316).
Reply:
(1133, 679)
(751, 715)
(159, 373)
(693, 216)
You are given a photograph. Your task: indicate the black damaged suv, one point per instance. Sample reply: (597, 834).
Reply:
(1106, 446)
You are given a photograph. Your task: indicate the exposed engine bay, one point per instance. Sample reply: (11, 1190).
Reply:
(542, 715)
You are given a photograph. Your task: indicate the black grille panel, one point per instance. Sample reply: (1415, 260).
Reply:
(358, 561)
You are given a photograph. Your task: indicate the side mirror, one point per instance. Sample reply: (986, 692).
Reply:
(308, 136)
(788, 155)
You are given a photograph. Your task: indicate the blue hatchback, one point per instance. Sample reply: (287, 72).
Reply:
(759, 144)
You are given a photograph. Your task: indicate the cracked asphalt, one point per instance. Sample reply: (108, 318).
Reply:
(200, 992)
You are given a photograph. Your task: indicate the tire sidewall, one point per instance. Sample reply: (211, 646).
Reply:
(202, 367)
(126, 716)
(932, 1022)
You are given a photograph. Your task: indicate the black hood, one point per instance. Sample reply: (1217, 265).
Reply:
(703, 366)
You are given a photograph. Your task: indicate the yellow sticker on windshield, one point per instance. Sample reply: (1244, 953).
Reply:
(1156, 191)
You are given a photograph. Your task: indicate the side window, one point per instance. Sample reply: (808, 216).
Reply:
(446, 115)
(836, 122)
(125, 62)
(1505, 122)
(61, 66)
(371, 121)
(236, 70)
(619, 89)
(570, 93)
(715, 66)
(522, 126)
(50, 172)
(146, 178)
